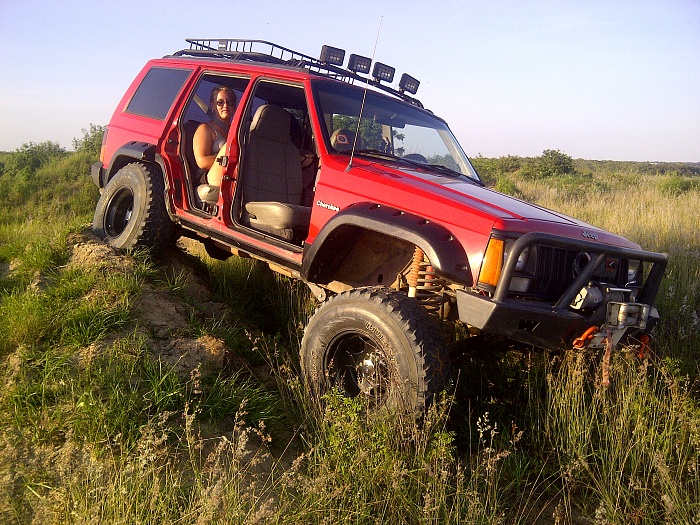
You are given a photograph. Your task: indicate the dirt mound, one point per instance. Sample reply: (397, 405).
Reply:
(165, 316)
(89, 251)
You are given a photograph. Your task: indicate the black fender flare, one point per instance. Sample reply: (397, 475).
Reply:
(444, 251)
(130, 152)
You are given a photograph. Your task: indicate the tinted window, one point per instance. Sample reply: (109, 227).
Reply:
(197, 108)
(157, 91)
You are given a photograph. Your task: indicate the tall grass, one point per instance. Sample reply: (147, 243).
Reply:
(636, 207)
(631, 451)
(97, 428)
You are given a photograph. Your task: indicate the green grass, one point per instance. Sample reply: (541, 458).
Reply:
(98, 427)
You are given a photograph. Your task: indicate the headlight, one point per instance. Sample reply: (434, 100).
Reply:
(522, 258)
(633, 271)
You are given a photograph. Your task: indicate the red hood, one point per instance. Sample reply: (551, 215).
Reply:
(464, 199)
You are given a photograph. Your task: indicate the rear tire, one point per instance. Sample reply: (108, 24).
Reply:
(378, 344)
(131, 211)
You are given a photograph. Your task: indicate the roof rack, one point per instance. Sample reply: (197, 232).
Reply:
(271, 53)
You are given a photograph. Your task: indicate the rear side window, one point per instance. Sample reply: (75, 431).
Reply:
(157, 91)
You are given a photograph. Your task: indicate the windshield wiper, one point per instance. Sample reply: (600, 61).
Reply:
(377, 153)
(428, 166)
(442, 169)
(445, 170)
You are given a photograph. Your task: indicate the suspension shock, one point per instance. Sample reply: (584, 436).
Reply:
(425, 285)
(412, 277)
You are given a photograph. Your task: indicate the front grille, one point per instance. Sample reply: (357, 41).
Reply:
(556, 271)
(553, 274)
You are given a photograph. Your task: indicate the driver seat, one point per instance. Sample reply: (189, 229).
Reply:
(272, 181)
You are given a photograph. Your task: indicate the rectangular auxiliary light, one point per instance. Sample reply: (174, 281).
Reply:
(383, 72)
(359, 64)
(408, 83)
(332, 55)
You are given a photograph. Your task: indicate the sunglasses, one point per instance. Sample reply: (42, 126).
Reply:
(221, 103)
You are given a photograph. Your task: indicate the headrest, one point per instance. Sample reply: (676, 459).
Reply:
(344, 140)
(271, 122)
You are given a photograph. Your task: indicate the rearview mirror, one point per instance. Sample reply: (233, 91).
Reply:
(395, 121)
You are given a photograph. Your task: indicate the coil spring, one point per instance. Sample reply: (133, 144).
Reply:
(429, 287)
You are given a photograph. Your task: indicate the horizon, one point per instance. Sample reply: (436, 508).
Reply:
(601, 81)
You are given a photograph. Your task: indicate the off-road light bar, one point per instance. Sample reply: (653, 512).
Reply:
(332, 55)
(359, 64)
(408, 83)
(383, 72)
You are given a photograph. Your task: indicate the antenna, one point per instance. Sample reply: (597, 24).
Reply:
(364, 97)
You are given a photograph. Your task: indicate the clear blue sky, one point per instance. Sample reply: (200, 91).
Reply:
(599, 80)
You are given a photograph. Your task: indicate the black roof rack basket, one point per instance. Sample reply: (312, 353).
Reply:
(271, 53)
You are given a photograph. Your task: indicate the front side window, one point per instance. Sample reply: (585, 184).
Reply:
(292, 99)
(155, 95)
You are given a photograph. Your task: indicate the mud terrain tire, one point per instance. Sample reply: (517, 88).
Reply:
(376, 343)
(131, 211)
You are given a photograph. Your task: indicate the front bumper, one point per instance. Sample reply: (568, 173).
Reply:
(553, 325)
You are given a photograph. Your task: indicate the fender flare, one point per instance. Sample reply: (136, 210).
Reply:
(444, 251)
(133, 151)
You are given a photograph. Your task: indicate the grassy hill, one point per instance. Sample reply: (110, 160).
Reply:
(166, 390)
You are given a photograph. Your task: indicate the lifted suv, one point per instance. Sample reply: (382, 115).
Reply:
(333, 177)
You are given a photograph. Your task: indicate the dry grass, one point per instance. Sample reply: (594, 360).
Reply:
(97, 428)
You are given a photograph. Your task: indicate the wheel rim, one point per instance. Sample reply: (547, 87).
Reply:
(119, 212)
(359, 367)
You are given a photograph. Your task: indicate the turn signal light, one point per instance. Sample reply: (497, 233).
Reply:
(493, 262)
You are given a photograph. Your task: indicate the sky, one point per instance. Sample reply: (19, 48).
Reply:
(600, 80)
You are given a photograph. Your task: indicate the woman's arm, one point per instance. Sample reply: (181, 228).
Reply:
(201, 145)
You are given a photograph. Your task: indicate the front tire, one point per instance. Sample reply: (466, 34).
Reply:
(378, 344)
(131, 211)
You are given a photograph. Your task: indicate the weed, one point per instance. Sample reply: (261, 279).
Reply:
(98, 429)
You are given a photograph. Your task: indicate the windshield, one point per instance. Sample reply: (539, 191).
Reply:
(388, 128)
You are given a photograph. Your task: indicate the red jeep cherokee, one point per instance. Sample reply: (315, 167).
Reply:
(333, 177)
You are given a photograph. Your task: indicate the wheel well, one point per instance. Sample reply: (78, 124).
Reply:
(369, 244)
(142, 152)
(117, 164)
(359, 257)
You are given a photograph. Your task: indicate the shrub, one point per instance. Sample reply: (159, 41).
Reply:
(675, 185)
(552, 163)
(506, 185)
(30, 157)
(92, 140)
(508, 164)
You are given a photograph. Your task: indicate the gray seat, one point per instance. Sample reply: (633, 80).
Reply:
(272, 181)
